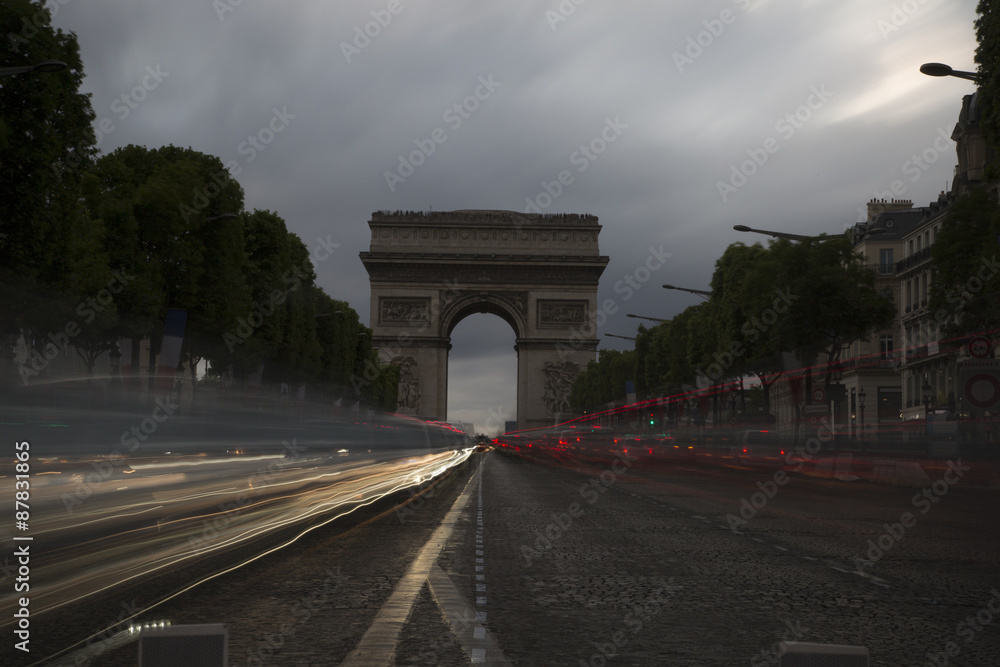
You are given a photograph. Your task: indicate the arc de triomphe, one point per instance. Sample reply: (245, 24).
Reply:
(539, 272)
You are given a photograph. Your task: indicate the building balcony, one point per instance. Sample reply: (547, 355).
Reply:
(883, 269)
(913, 260)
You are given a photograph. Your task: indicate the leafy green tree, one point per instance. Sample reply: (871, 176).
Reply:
(742, 347)
(661, 357)
(814, 296)
(988, 59)
(46, 141)
(603, 381)
(965, 290)
(170, 238)
(680, 370)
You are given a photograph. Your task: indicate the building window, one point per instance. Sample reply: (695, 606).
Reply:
(885, 261)
(885, 347)
(911, 248)
(909, 300)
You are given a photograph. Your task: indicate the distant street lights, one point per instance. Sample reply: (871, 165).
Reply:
(643, 317)
(700, 292)
(940, 69)
(44, 67)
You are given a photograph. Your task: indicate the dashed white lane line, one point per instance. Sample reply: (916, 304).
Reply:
(481, 646)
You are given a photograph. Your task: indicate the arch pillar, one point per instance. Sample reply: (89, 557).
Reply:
(546, 369)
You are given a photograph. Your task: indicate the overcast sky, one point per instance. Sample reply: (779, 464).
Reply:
(696, 89)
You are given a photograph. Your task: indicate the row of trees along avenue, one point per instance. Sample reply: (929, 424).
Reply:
(166, 228)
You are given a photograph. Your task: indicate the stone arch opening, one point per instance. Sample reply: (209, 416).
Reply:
(482, 372)
(499, 305)
(538, 272)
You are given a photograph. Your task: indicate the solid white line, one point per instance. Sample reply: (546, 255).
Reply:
(378, 645)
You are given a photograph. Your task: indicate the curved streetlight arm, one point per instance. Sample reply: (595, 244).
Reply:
(643, 317)
(700, 292)
(940, 69)
(777, 235)
(44, 66)
(617, 336)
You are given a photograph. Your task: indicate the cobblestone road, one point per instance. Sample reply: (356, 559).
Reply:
(618, 559)
(618, 563)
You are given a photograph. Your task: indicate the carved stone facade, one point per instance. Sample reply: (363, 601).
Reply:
(539, 273)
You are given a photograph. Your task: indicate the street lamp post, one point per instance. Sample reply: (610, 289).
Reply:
(862, 395)
(617, 336)
(861, 412)
(699, 292)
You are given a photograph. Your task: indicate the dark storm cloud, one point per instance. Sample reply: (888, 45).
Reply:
(698, 87)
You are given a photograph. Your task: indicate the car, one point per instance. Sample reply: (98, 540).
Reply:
(759, 447)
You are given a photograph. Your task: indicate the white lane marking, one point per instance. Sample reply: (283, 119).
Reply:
(465, 623)
(378, 645)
